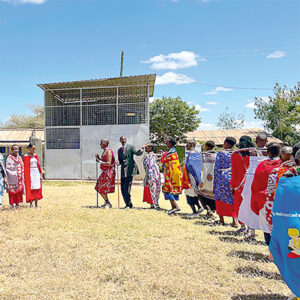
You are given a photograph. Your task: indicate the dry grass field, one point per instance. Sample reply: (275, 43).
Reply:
(65, 250)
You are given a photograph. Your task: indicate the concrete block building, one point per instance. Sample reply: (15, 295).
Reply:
(79, 114)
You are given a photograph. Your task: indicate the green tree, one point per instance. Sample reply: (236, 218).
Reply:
(229, 120)
(35, 120)
(281, 113)
(172, 117)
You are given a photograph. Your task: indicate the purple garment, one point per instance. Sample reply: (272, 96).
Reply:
(222, 177)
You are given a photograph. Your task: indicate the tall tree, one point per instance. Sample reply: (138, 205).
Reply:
(35, 120)
(229, 120)
(172, 117)
(281, 113)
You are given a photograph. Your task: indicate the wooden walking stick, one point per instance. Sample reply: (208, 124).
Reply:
(118, 183)
(97, 195)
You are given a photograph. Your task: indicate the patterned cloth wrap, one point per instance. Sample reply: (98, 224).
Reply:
(194, 165)
(152, 178)
(106, 181)
(15, 174)
(207, 176)
(222, 177)
(284, 168)
(172, 172)
(285, 241)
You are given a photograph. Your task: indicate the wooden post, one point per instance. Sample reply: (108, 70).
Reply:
(122, 63)
(118, 183)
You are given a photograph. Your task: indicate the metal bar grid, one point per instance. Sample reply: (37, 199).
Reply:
(95, 87)
(74, 108)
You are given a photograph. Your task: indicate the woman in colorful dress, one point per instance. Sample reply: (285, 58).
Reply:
(33, 176)
(15, 177)
(263, 190)
(3, 179)
(172, 173)
(222, 177)
(106, 182)
(240, 162)
(152, 180)
(191, 177)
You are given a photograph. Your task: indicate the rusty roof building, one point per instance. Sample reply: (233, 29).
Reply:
(218, 136)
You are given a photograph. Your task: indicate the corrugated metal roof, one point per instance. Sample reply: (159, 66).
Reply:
(117, 81)
(18, 136)
(218, 136)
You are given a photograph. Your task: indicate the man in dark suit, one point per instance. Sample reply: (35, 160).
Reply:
(129, 168)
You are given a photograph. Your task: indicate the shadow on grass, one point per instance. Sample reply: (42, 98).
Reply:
(149, 208)
(252, 256)
(232, 240)
(21, 207)
(259, 297)
(227, 232)
(252, 273)
(235, 240)
(190, 216)
(204, 223)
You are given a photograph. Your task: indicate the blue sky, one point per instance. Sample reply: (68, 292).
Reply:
(187, 43)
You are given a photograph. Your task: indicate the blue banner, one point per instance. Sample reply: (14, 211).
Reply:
(285, 241)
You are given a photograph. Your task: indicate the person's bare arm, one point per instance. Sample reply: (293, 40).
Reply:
(109, 159)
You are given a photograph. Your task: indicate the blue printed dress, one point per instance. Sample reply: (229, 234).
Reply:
(222, 177)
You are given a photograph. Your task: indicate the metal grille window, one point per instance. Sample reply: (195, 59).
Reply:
(62, 97)
(63, 138)
(99, 96)
(98, 106)
(133, 94)
(99, 115)
(62, 116)
(132, 114)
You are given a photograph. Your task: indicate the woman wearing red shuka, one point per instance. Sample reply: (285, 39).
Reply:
(33, 176)
(15, 177)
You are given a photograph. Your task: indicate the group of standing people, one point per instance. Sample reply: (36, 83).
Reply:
(239, 181)
(19, 176)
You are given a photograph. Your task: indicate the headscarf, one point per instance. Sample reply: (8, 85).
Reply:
(246, 142)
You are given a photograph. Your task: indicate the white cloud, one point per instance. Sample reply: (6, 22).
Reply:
(250, 105)
(15, 2)
(254, 124)
(201, 109)
(204, 126)
(174, 61)
(217, 90)
(151, 99)
(277, 54)
(176, 78)
(212, 103)
(265, 98)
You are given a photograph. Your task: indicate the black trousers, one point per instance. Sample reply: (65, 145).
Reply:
(267, 238)
(126, 183)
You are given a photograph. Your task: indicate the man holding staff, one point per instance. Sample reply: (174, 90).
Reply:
(106, 181)
(129, 168)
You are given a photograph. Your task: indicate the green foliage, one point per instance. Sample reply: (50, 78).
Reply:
(281, 113)
(35, 120)
(172, 117)
(229, 120)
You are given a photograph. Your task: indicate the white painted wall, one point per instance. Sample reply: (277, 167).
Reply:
(65, 164)
(62, 164)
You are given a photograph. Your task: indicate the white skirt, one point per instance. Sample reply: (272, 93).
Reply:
(246, 215)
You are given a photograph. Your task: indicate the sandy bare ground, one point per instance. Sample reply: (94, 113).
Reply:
(68, 251)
